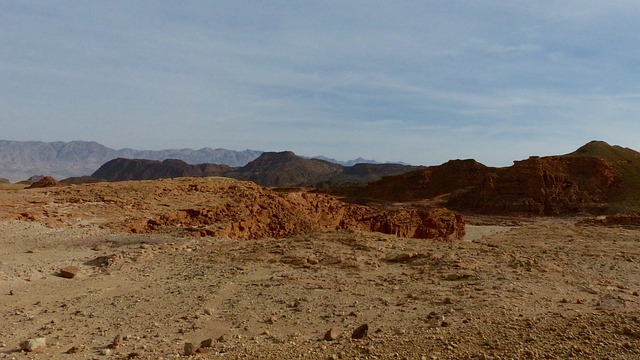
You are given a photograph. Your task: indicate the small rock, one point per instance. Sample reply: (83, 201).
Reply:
(223, 338)
(189, 349)
(447, 301)
(105, 352)
(11, 292)
(134, 354)
(332, 334)
(69, 272)
(208, 311)
(206, 343)
(272, 319)
(360, 332)
(116, 341)
(444, 324)
(76, 349)
(33, 344)
(203, 350)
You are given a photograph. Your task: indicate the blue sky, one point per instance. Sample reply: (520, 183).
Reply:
(415, 81)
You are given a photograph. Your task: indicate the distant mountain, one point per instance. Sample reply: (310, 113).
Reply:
(286, 169)
(20, 160)
(270, 169)
(122, 169)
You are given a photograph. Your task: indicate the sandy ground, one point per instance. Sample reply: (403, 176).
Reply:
(542, 289)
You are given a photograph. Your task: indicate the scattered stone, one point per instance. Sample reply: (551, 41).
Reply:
(401, 257)
(105, 352)
(202, 350)
(444, 324)
(272, 319)
(208, 311)
(76, 349)
(34, 344)
(360, 332)
(69, 272)
(11, 292)
(447, 301)
(206, 343)
(332, 334)
(116, 342)
(189, 349)
(223, 338)
(134, 354)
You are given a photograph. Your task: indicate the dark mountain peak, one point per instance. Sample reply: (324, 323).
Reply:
(286, 169)
(276, 156)
(602, 150)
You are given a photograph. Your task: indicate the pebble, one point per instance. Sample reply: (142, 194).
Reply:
(332, 334)
(69, 272)
(189, 349)
(206, 343)
(360, 332)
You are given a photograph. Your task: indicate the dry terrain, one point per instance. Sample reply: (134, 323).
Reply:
(536, 288)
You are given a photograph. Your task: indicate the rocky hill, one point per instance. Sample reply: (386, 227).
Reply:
(285, 169)
(597, 178)
(121, 169)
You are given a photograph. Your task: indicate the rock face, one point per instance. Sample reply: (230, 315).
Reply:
(597, 178)
(543, 186)
(424, 183)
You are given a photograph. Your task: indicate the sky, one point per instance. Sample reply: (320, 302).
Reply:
(420, 82)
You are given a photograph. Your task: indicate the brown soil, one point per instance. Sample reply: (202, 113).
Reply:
(534, 289)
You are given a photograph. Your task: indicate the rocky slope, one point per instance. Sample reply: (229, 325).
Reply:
(233, 209)
(597, 178)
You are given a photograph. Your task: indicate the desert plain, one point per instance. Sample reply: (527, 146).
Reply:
(511, 288)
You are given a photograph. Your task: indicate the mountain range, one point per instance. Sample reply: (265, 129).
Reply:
(270, 169)
(597, 178)
(19, 160)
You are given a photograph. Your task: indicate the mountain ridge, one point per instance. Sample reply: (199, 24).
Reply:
(19, 160)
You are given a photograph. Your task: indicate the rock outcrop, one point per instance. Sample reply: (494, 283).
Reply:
(46, 181)
(595, 179)
(235, 209)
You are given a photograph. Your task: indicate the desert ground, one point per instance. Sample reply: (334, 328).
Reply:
(513, 288)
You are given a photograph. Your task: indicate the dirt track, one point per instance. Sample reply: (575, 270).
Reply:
(543, 289)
